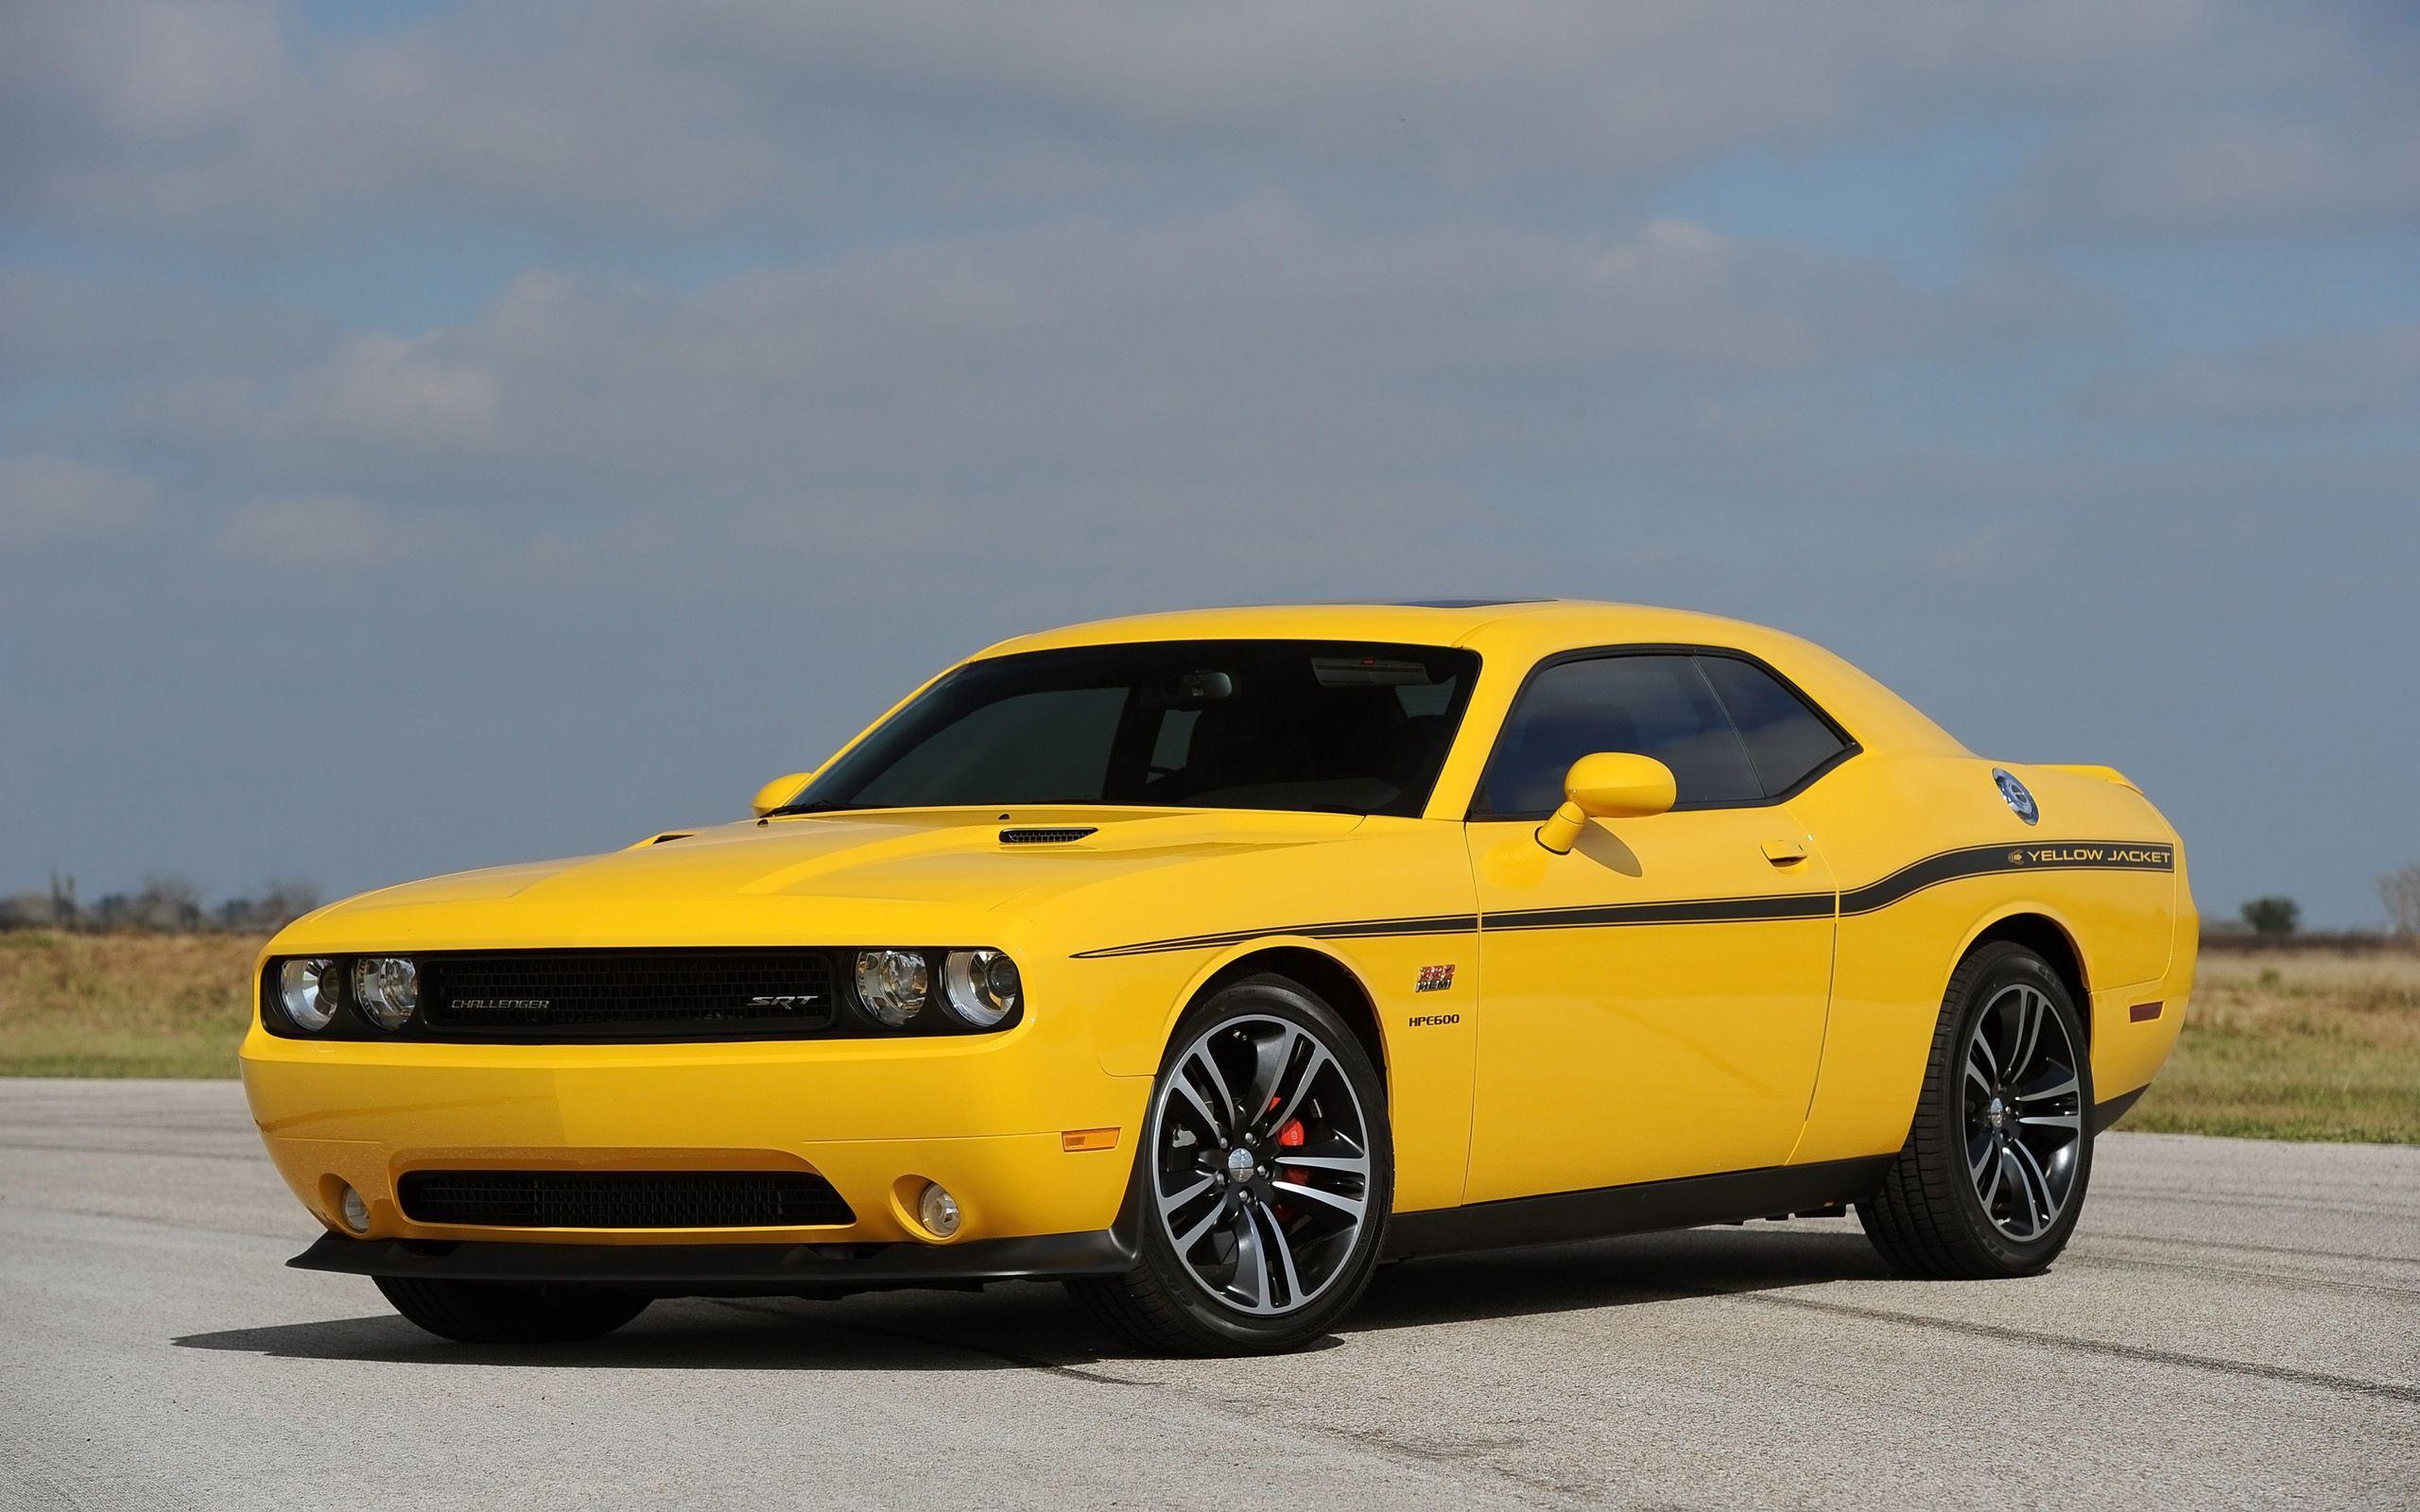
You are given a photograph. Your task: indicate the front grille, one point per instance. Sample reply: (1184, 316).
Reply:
(622, 1199)
(626, 994)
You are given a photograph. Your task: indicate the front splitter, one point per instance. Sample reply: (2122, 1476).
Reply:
(705, 1270)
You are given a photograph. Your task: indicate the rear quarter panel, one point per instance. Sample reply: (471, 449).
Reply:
(1874, 815)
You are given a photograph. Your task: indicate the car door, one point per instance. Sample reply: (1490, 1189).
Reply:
(1653, 1002)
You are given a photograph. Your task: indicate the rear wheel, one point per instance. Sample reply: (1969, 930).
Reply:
(510, 1311)
(1993, 1175)
(1263, 1183)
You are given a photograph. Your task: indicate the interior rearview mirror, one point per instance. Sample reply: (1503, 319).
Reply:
(779, 791)
(1611, 784)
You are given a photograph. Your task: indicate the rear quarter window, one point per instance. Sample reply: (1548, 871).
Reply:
(1787, 741)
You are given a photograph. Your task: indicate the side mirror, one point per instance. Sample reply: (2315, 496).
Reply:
(779, 791)
(1612, 784)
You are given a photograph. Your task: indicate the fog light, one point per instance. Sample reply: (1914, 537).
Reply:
(937, 1211)
(354, 1212)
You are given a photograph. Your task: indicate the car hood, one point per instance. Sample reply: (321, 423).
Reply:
(914, 875)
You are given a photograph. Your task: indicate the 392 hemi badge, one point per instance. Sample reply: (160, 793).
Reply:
(1435, 978)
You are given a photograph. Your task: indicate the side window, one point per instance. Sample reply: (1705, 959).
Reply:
(1786, 739)
(1656, 705)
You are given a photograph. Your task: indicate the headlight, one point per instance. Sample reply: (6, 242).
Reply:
(387, 989)
(982, 987)
(893, 985)
(307, 993)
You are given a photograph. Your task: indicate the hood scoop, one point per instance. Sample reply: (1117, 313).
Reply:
(1047, 834)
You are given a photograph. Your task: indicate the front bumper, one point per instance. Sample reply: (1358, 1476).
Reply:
(982, 1115)
(732, 1270)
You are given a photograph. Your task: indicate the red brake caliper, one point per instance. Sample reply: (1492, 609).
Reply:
(1291, 1137)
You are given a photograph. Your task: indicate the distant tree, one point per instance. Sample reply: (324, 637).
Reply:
(286, 900)
(167, 906)
(2273, 917)
(51, 909)
(279, 904)
(2400, 891)
(163, 905)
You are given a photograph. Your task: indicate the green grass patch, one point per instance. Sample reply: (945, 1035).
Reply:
(186, 1057)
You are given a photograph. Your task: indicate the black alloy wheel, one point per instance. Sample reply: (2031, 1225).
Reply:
(1264, 1182)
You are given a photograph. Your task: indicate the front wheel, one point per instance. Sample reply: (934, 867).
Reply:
(510, 1311)
(1993, 1175)
(1263, 1183)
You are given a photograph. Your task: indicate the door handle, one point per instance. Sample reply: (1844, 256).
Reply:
(1786, 852)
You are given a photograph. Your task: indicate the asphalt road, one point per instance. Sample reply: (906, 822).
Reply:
(2235, 1323)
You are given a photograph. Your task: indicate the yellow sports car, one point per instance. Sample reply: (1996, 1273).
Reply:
(1205, 960)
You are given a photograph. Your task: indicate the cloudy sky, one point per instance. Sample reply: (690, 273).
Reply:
(435, 435)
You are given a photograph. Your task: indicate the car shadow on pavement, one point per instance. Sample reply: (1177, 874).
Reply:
(771, 1333)
(1028, 1327)
(1593, 1275)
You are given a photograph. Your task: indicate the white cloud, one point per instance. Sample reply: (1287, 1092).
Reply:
(61, 327)
(157, 70)
(1253, 365)
(2315, 380)
(333, 533)
(45, 499)
(2317, 165)
(624, 117)
(393, 388)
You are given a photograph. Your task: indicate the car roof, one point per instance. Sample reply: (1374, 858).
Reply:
(1518, 634)
(1424, 622)
(1416, 621)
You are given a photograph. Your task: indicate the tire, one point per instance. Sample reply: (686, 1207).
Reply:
(1992, 1177)
(1240, 1251)
(509, 1312)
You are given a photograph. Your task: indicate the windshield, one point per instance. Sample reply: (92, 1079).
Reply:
(1336, 727)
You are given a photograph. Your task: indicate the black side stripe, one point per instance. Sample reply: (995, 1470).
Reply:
(1679, 911)
(1985, 859)
(1349, 929)
(1949, 865)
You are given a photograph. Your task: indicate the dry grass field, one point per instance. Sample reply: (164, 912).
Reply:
(2297, 1046)
(123, 1004)
(2305, 1045)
